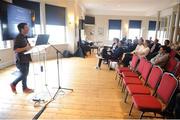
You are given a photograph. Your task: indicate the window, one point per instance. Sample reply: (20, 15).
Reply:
(114, 29)
(34, 6)
(1, 41)
(134, 29)
(57, 33)
(3, 44)
(152, 29)
(55, 24)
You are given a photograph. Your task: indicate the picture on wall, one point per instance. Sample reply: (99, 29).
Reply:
(100, 31)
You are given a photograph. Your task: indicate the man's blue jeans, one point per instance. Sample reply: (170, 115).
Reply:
(24, 70)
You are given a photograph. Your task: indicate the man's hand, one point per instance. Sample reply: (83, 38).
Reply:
(28, 47)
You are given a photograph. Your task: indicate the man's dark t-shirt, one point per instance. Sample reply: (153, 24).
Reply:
(20, 42)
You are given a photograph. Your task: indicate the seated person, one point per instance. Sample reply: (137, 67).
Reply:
(135, 43)
(124, 39)
(162, 58)
(106, 50)
(154, 49)
(129, 46)
(113, 56)
(85, 47)
(115, 44)
(167, 43)
(175, 51)
(135, 40)
(126, 58)
(151, 41)
(172, 110)
(145, 49)
(177, 56)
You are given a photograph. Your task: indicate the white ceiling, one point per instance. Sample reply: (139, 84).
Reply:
(127, 7)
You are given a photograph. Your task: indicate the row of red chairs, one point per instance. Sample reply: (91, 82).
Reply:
(147, 85)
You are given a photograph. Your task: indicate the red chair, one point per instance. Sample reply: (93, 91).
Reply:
(135, 80)
(139, 70)
(141, 65)
(172, 54)
(131, 67)
(171, 65)
(177, 70)
(128, 74)
(152, 82)
(148, 103)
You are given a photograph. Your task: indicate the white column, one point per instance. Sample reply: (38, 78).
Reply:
(70, 22)
(42, 16)
(171, 27)
(144, 28)
(176, 24)
(157, 23)
(125, 27)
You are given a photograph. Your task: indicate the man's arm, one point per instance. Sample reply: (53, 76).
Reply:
(162, 59)
(19, 50)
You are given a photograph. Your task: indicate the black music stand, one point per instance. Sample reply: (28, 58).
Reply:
(59, 81)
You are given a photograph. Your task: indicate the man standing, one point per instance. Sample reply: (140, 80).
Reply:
(22, 45)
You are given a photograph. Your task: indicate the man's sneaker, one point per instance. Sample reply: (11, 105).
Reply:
(27, 90)
(13, 88)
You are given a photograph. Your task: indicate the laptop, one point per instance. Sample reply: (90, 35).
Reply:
(42, 39)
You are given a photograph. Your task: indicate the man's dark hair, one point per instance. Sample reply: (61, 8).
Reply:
(178, 48)
(117, 39)
(148, 43)
(21, 26)
(141, 39)
(156, 40)
(167, 42)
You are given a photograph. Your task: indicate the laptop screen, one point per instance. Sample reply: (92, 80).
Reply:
(42, 39)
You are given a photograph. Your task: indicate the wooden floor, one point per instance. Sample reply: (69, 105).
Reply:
(95, 95)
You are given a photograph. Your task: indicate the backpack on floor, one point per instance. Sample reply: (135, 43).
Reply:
(67, 54)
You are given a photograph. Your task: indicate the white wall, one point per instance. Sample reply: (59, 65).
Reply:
(7, 57)
(101, 21)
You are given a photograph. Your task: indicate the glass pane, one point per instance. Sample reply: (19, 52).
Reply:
(1, 42)
(114, 34)
(4, 44)
(37, 29)
(151, 33)
(57, 34)
(134, 33)
(160, 36)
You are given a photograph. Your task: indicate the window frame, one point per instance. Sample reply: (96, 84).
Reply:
(114, 25)
(135, 24)
(63, 23)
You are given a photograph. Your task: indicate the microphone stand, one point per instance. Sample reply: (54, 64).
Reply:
(59, 85)
(57, 59)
